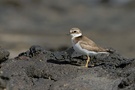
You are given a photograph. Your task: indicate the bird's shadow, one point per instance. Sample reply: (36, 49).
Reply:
(63, 62)
(60, 62)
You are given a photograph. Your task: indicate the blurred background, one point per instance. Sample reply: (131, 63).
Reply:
(110, 23)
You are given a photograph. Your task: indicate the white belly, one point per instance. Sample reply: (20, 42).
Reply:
(79, 49)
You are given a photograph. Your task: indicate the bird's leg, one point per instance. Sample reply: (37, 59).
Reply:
(88, 60)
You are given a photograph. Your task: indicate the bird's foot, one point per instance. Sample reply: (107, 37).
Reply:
(86, 66)
(92, 65)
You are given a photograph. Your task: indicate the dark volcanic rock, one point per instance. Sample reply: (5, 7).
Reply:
(39, 69)
(4, 54)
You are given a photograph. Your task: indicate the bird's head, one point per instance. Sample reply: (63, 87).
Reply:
(75, 32)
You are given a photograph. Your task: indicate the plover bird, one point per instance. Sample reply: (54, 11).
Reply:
(84, 45)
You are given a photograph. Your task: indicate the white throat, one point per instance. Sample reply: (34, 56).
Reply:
(76, 35)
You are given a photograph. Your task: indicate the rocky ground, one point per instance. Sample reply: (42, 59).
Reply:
(39, 69)
(28, 22)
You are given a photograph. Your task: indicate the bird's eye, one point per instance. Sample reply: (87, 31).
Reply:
(74, 31)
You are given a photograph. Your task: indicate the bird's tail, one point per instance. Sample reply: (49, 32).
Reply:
(110, 51)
